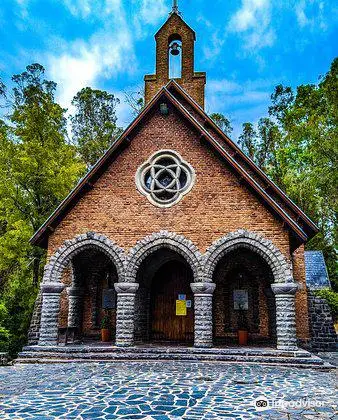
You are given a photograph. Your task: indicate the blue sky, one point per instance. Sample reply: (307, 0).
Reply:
(245, 46)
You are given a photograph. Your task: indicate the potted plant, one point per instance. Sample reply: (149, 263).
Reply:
(106, 328)
(242, 327)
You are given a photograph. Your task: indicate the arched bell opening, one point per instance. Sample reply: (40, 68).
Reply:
(164, 278)
(175, 56)
(89, 296)
(243, 299)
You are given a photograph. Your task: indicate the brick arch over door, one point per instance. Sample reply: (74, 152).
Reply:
(163, 240)
(280, 267)
(90, 240)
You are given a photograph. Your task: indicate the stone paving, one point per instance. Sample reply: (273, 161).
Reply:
(162, 391)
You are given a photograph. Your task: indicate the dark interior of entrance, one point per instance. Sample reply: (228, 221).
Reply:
(164, 277)
(94, 275)
(243, 299)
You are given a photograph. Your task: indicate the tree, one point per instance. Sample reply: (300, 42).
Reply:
(222, 122)
(94, 123)
(298, 148)
(248, 140)
(135, 100)
(38, 168)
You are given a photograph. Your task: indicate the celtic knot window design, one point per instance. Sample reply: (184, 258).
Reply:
(165, 178)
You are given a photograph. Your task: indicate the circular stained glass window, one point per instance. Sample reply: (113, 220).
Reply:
(165, 178)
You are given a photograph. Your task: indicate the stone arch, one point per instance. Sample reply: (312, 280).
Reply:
(163, 239)
(280, 267)
(60, 259)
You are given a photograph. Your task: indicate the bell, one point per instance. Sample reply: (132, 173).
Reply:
(174, 49)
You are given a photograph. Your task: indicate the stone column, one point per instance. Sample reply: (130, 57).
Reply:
(50, 313)
(203, 313)
(75, 302)
(125, 313)
(285, 315)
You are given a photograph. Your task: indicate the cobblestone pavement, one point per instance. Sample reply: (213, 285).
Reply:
(161, 390)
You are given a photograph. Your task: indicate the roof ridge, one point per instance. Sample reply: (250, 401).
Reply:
(251, 163)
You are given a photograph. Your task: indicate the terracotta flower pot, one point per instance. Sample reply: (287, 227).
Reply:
(105, 335)
(242, 337)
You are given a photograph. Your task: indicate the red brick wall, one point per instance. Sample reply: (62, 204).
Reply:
(217, 204)
(302, 314)
(192, 82)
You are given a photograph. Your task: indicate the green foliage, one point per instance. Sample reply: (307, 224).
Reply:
(298, 148)
(247, 140)
(18, 298)
(135, 100)
(38, 167)
(223, 122)
(331, 298)
(94, 123)
(106, 321)
(4, 333)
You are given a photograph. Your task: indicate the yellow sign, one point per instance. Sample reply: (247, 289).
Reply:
(181, 307)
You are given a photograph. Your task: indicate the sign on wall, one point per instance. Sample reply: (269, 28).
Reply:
(241, 300)
(108, 299)
(181, 307)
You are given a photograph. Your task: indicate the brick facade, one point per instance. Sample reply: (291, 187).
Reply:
(113, 227)
(217, 204)
(193, 82)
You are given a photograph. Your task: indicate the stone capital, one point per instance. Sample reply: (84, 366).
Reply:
(203, 288)
(52, 288)
(284, 288)
(126, 287)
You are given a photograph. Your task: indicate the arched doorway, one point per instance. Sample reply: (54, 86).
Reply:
(164, 278)
(243, 298)
(89, 295)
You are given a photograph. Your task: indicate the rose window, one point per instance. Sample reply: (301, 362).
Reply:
(165, 178)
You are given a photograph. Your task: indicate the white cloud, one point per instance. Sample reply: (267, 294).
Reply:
(152, 12)
(313, 8)
(214, 46)
(252, 21)
(107, 53)
(226, 95)
(80, 8)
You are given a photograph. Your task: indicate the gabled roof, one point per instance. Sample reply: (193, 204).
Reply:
(172, 16)
(298, 223)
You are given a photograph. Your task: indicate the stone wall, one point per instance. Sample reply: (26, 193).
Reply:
(323, 334)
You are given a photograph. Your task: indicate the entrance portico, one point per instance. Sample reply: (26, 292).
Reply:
(167, 267)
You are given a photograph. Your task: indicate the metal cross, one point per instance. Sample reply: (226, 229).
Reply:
(175, 6)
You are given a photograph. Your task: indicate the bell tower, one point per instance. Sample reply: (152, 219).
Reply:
(176, 38)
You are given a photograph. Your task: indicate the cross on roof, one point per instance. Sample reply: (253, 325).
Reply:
(175, 7)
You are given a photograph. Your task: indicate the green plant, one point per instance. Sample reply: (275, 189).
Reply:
(331, 298)
(106, 322)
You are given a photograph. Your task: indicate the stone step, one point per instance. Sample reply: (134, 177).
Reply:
(245, 351)
(59, 357)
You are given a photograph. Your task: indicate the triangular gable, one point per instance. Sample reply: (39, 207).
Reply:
(181, 21)
(241, 158)
(41, 236)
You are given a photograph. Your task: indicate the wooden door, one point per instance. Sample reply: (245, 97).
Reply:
(171, 280)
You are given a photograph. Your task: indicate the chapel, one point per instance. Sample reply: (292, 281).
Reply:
(175, 234)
